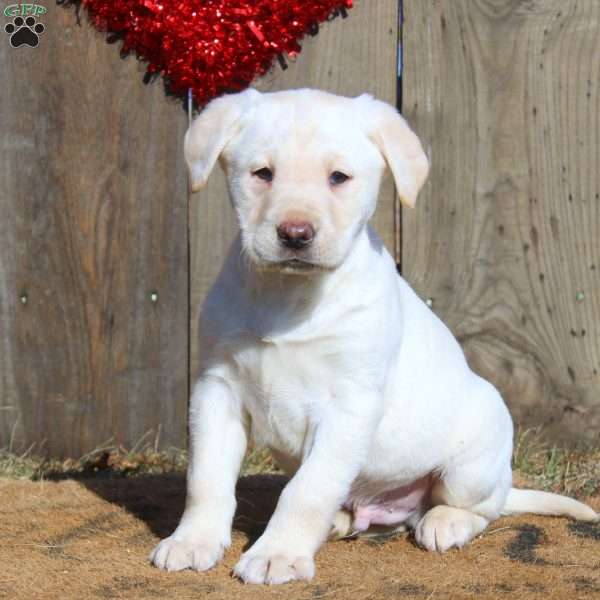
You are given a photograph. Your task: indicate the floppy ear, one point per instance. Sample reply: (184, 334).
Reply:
(212, 129)
(399, 146)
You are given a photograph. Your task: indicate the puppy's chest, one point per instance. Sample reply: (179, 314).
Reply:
(283, 387)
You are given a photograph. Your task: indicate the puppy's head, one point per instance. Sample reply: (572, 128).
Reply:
(303, 169)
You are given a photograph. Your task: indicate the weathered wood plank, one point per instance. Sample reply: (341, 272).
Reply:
(93, 203)
(349, 56)
(506, 239)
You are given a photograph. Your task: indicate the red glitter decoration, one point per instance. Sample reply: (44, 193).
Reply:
(211, 46)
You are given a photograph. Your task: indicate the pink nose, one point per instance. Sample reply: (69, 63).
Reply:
(295, 234)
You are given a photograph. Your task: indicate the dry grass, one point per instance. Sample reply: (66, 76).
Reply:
(108, 460)
(112, 460)
(565, 471)
(572, 472)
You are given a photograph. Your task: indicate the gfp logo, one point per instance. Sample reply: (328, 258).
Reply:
(25, 30)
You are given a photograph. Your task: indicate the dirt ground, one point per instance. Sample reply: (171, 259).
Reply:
(90, 539)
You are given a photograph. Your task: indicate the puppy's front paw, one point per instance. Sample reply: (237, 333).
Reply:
(174, 554)
(274, 568)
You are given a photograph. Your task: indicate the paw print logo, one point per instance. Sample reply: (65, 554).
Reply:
(24, 32)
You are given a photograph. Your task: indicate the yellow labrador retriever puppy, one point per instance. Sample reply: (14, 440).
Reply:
(313, 346)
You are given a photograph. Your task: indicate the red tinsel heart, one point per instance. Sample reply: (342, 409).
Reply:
(211, 46)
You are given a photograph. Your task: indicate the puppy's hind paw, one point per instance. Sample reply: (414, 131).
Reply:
(445, 527)
(173, 554)
(341, 526)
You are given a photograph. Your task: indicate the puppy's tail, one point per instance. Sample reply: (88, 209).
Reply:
(545, 503)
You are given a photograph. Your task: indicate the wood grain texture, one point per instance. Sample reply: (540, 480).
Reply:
(93, 203)
(506, 238)
(349, 56)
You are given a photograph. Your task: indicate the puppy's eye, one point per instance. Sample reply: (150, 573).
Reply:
(337, 178)
(265, 174)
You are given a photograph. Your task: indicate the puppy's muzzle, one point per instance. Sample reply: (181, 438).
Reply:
(295, 234)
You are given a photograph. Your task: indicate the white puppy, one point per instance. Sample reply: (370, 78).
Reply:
(315, 347)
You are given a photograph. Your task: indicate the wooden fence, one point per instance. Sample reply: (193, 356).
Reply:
(103, 268)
